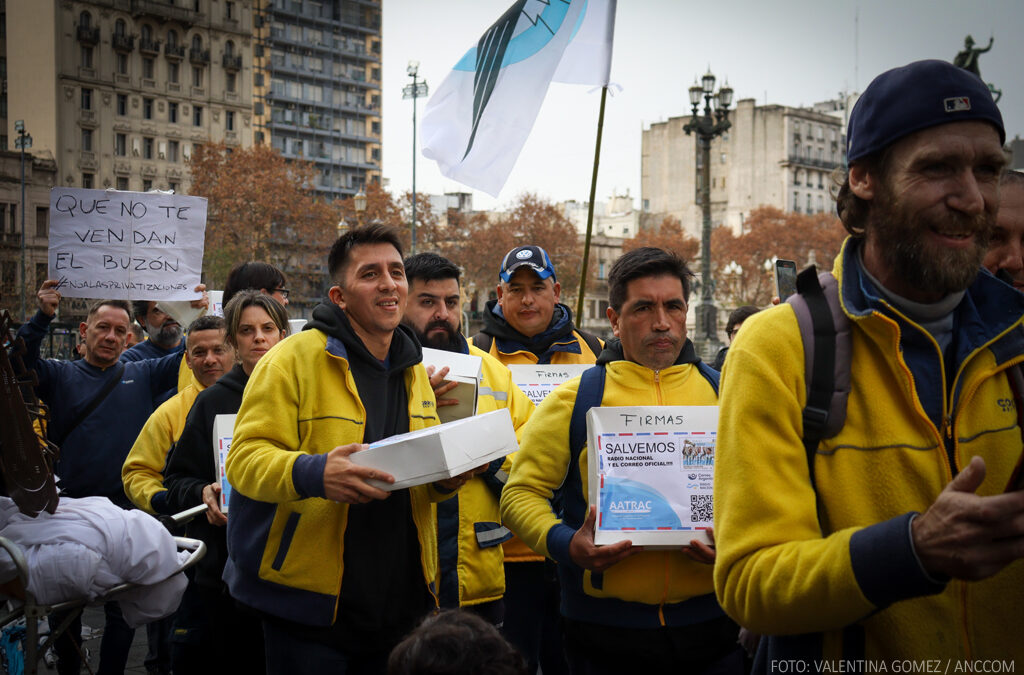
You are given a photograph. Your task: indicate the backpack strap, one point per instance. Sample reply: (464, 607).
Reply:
(483, 341)
(88, 409)
(588, 396)
(710, 374)
(573, 510)
(592, 341)
(825, 332)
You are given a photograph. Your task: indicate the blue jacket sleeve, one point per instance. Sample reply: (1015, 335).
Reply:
(32, 332)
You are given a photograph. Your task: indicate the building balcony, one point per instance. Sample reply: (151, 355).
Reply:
(164, 11)
(232, 62)
(122, 43)
(150, 47)
(174, 52)
(89, 35)
(199, 56)
(826, 164)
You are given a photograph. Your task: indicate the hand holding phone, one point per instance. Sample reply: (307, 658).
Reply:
(785, 279)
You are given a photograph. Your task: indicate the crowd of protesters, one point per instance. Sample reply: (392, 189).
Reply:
(896, 535)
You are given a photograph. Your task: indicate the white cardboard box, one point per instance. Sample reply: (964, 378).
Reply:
(440, 452)
(651, 471)
(223, 432)
(467, 371)
(537, 381)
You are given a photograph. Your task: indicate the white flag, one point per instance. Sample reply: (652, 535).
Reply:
(477, 121)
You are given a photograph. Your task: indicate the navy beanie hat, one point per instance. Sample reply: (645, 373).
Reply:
(917, 96)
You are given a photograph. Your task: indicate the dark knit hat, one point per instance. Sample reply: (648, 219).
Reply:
(917, 96)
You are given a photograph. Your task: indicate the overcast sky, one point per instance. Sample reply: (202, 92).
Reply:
(788, 52)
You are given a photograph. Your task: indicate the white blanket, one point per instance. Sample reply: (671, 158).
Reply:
(89, 546)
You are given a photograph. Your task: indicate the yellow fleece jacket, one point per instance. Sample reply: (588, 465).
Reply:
(476, 574)
(285, 540)
(143, 470)
(854, 581)
(655, 579)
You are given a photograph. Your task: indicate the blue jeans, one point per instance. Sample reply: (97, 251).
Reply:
(289, 654)
(114, 647)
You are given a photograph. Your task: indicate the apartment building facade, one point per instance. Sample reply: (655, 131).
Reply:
(318, 87)
(119, 92)
(772, 155)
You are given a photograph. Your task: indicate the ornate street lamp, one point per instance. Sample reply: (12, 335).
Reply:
(359, 204)
(23, 142)
(417, 89)
(714, 122)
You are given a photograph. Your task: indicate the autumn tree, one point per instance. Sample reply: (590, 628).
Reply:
(262, 207)
(741, 263)
(668, 235)
(478, 243)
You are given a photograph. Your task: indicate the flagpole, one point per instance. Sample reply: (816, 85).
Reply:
(590, 210)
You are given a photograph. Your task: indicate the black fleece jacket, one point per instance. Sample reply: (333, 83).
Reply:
(190, 468)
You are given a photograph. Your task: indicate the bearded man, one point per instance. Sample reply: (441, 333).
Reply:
(900, 537)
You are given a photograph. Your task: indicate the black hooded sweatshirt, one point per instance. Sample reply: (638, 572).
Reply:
(383, 594)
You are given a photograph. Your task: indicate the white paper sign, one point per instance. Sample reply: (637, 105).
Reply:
(651, 471)
(126, 245)
(216, 302)
(537, 381)
(467, 371)
(223, 432)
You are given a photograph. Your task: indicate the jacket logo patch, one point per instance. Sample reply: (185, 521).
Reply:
(1007, 404)
(428, 404)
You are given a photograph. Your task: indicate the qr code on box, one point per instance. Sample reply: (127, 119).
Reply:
(700, 509)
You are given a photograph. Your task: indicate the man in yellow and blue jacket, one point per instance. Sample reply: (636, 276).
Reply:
(208, 356)
(469, 529)
(625, 609)
(898, 540)
(527, 324)
(339, 569)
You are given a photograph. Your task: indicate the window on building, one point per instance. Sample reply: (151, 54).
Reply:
(147, 185)
(42, 219)
(87, 180)
(85, 56)
(197, 116)
(229, 120)
(120, 145)
(146, 33)
(172, 112)
(172, 72)
(172, 38)
(85, 20)
(122, 63)
(809, 203)
(821, 204)
(229, 10)
(122, 182)
(86, 99)
(197, 76)
(147, 108)
(120, 28)
(821, 179)
(86, 140)
(173, 149)
(122, 104)
(601, 274)
(197, 43)
(172, 186)
(796, 202)
(231, 82)
(148, 68)
(147, 147)
(810, 179)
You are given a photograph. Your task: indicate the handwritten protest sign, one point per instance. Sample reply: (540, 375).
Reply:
(650, 473)
(537, 381)
(126, 245)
